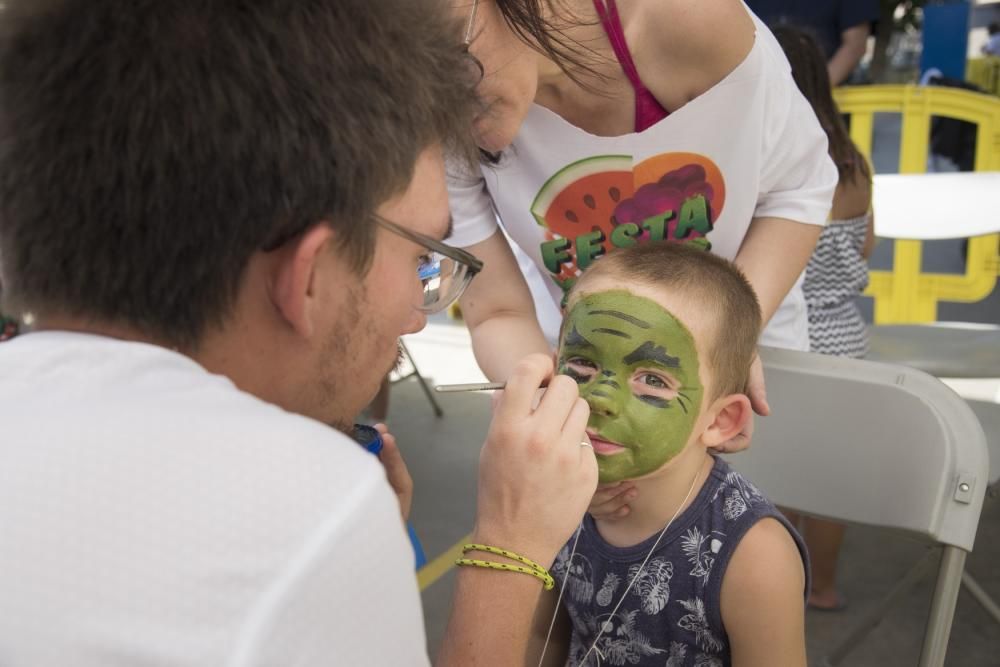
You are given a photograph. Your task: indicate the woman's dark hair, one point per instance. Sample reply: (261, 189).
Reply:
(809, 69)
(535, 23)
(528, 19)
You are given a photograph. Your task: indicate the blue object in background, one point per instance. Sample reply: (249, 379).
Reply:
(418, 549)
(369, 438)
(946, 38)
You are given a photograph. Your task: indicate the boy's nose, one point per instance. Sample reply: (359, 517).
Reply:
(603, 400)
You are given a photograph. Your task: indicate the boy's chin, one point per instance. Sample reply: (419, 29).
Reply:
(608, 475)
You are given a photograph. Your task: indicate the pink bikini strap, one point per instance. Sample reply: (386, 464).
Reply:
(648, 110)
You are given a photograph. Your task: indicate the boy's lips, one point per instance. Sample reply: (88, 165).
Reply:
(604, 447)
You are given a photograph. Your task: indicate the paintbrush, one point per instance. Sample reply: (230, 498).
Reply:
(477, 386)
(470, 386)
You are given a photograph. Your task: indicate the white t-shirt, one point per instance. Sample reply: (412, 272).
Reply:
(153, 514)
(748, 147)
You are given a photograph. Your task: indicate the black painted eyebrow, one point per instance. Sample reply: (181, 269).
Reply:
(622, 316)
(575, 339)
(648, 351)
(613, 332)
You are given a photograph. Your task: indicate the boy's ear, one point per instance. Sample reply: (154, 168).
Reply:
(293, 281)
(729, 415)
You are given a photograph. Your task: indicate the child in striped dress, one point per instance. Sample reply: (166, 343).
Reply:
(835, 275)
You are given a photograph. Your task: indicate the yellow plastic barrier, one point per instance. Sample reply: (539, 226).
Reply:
(905, 294)
(985, 73)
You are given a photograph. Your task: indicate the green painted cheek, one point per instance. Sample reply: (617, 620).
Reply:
(625, 342)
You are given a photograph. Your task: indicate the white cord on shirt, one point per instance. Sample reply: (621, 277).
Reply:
(593, 647)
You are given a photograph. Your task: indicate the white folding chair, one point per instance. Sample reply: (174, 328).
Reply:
(879, 445)
(928, 207)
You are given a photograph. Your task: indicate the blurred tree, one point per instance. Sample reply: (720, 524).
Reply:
(896, 16)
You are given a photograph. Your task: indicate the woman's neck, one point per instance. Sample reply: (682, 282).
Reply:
(661, 496)
(598, 97)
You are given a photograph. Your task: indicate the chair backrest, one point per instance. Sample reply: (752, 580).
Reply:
(869, 443)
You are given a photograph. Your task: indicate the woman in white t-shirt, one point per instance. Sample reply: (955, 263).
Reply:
(613, 124)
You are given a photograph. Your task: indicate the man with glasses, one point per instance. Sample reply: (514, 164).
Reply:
(220, 217)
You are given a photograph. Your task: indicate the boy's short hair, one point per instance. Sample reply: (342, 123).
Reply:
(705, 281)
(149, 147)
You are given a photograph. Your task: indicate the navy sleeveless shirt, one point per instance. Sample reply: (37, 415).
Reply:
(672, 615)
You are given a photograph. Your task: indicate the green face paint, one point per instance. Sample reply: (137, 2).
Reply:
(637, 367)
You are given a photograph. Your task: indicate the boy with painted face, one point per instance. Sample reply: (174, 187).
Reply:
(703, 570)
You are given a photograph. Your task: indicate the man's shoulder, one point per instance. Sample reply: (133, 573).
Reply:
(162, 417)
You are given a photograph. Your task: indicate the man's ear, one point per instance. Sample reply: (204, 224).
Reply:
(729, 415)
(293, 289)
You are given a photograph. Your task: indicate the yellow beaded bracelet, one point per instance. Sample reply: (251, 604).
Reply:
(533, 568)
(545, 577)
(503, 552)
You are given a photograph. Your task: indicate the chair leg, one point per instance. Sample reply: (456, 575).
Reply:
(874, 617)
(981, 596)
(423, 383)
(942, 613)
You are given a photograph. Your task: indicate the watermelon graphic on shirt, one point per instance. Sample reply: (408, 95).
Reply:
(595, 205)
(581, 199)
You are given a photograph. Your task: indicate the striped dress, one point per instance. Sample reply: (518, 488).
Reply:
(835, 275)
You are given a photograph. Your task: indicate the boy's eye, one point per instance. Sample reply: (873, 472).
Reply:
(654, 381)
(652, 384)
(580, 369)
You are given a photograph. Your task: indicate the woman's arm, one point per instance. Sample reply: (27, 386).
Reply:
(763, 599)
(774, 253)
(499, 311)
(869, 246)
(853, 42)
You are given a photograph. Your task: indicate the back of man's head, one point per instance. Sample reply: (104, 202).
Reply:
(149, 147)
(704, 283)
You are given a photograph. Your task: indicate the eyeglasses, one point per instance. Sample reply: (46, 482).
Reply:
(476, 69)
(445, 271)
(472, 22)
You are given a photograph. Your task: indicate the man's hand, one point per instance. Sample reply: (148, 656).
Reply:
(758, 400)
(535, 478)
(395, 471)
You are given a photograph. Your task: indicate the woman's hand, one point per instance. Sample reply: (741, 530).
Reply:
(758, 400)
(395, 471)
